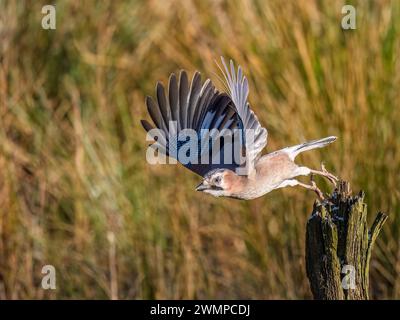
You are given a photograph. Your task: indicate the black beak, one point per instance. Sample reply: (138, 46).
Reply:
(202, 186)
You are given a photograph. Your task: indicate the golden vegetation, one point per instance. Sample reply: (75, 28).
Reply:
(76, 191)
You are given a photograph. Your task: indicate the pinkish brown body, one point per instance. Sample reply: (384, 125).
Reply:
(272, 171)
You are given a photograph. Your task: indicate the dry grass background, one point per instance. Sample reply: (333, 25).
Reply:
(77, 193)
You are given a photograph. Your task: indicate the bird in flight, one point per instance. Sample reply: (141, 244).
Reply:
(201, 107)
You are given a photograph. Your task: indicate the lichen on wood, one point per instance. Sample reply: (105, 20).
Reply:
(338, 240)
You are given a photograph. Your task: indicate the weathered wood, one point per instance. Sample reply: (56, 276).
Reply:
(338, 242)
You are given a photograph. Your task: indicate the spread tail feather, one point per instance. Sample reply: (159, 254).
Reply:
(295, 150)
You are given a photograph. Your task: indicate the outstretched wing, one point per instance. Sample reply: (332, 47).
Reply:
(255, 135)
(196, 107)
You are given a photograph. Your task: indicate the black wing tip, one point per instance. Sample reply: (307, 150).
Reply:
(146, 125)
(182, 74)
(159, 86)
(172, 77)
(148, 100)
(196, 80)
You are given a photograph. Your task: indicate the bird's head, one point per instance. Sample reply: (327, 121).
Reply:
(219, 183)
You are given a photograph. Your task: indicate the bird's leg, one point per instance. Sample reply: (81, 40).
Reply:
(325, 174)
(314, 188)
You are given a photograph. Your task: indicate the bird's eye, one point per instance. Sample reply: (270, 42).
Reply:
(217, 180)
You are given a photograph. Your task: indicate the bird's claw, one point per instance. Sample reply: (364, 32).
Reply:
(317, 190)
(333, 179)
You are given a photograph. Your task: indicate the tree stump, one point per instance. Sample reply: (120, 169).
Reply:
(339, 245)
